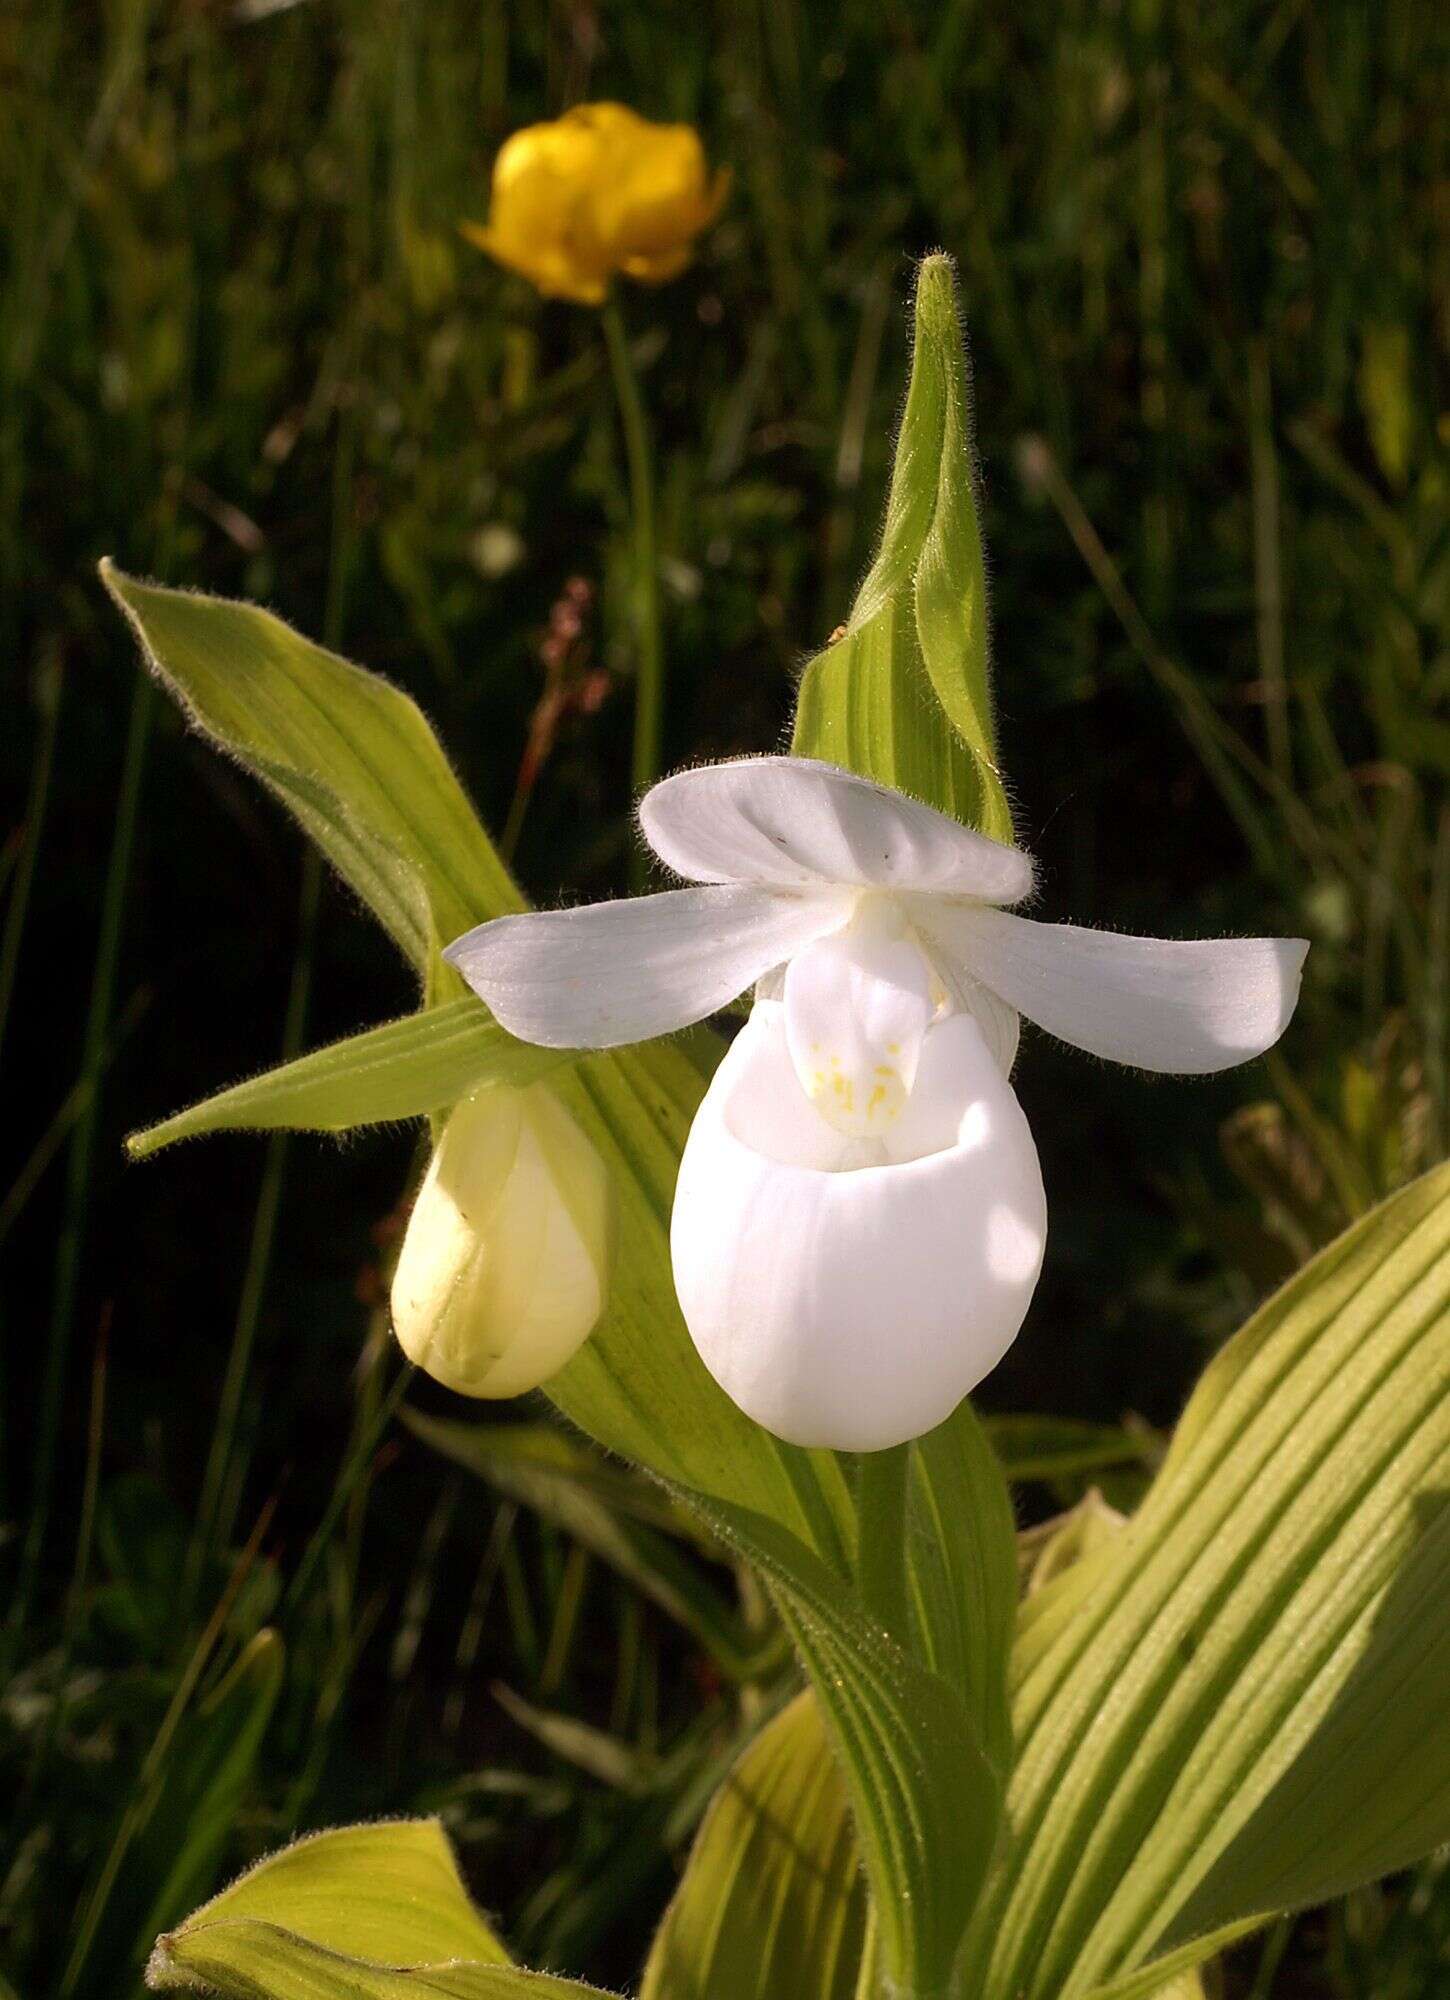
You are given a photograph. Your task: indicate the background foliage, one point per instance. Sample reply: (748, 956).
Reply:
(1203, 257)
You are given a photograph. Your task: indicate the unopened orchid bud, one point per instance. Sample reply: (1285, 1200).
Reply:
(504, 1268)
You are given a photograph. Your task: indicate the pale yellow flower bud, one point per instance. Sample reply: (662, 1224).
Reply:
(598, 192)
(504, 1268)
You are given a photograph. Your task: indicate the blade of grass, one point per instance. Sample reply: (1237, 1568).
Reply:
(71, 1244)
(1202, 726)
(649, 692)
(215, 1511)
(1268, 578)
(54, 1136)
(48, 686)
(361, 1448)
(221, 1482)
(142, 1795)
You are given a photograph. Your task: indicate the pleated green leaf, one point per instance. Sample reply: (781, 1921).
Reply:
(962, 1567)
(402, 1069)
(362, 1910)
(1175, 1976)
(771, 1903)
(1238, 1703)
(348, 753)
(903, 695)
(251, 1960)
(925, 1797)
(1370, 1790)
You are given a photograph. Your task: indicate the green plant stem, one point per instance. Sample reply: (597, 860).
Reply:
(214, 1517)
(47, 702)
(1268, 571)
(222, 1481)
(43, 1152)
(644, 584)
(881, 1535)
(1275, 1945)
(366, 1437)
(143, 1799)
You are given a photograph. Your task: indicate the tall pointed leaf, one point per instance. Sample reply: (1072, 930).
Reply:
(402, 1069)
(925, 1797)
(349, 754)
(962, 1565)
(389, 1891)
(771, 1903)
(1232, 1705)
(903, 694)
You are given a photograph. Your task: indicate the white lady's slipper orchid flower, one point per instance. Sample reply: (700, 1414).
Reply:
(859, 1220)
(505, 1263)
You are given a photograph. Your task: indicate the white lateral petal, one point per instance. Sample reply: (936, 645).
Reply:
(609, 973)
(794, 822)
(1186, 1007)
(857, 1005)
(855, 1309)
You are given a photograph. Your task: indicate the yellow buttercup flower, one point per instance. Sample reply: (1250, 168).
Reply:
(596, 193)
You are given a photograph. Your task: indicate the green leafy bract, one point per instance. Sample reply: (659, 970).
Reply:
(365, 1913)
(347, 752)
(401, 1069)
(903, 694)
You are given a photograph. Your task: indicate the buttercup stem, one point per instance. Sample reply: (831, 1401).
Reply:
(881, 1537)
(645, 597)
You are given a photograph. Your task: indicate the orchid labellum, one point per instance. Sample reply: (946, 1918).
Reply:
(859, 1221)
